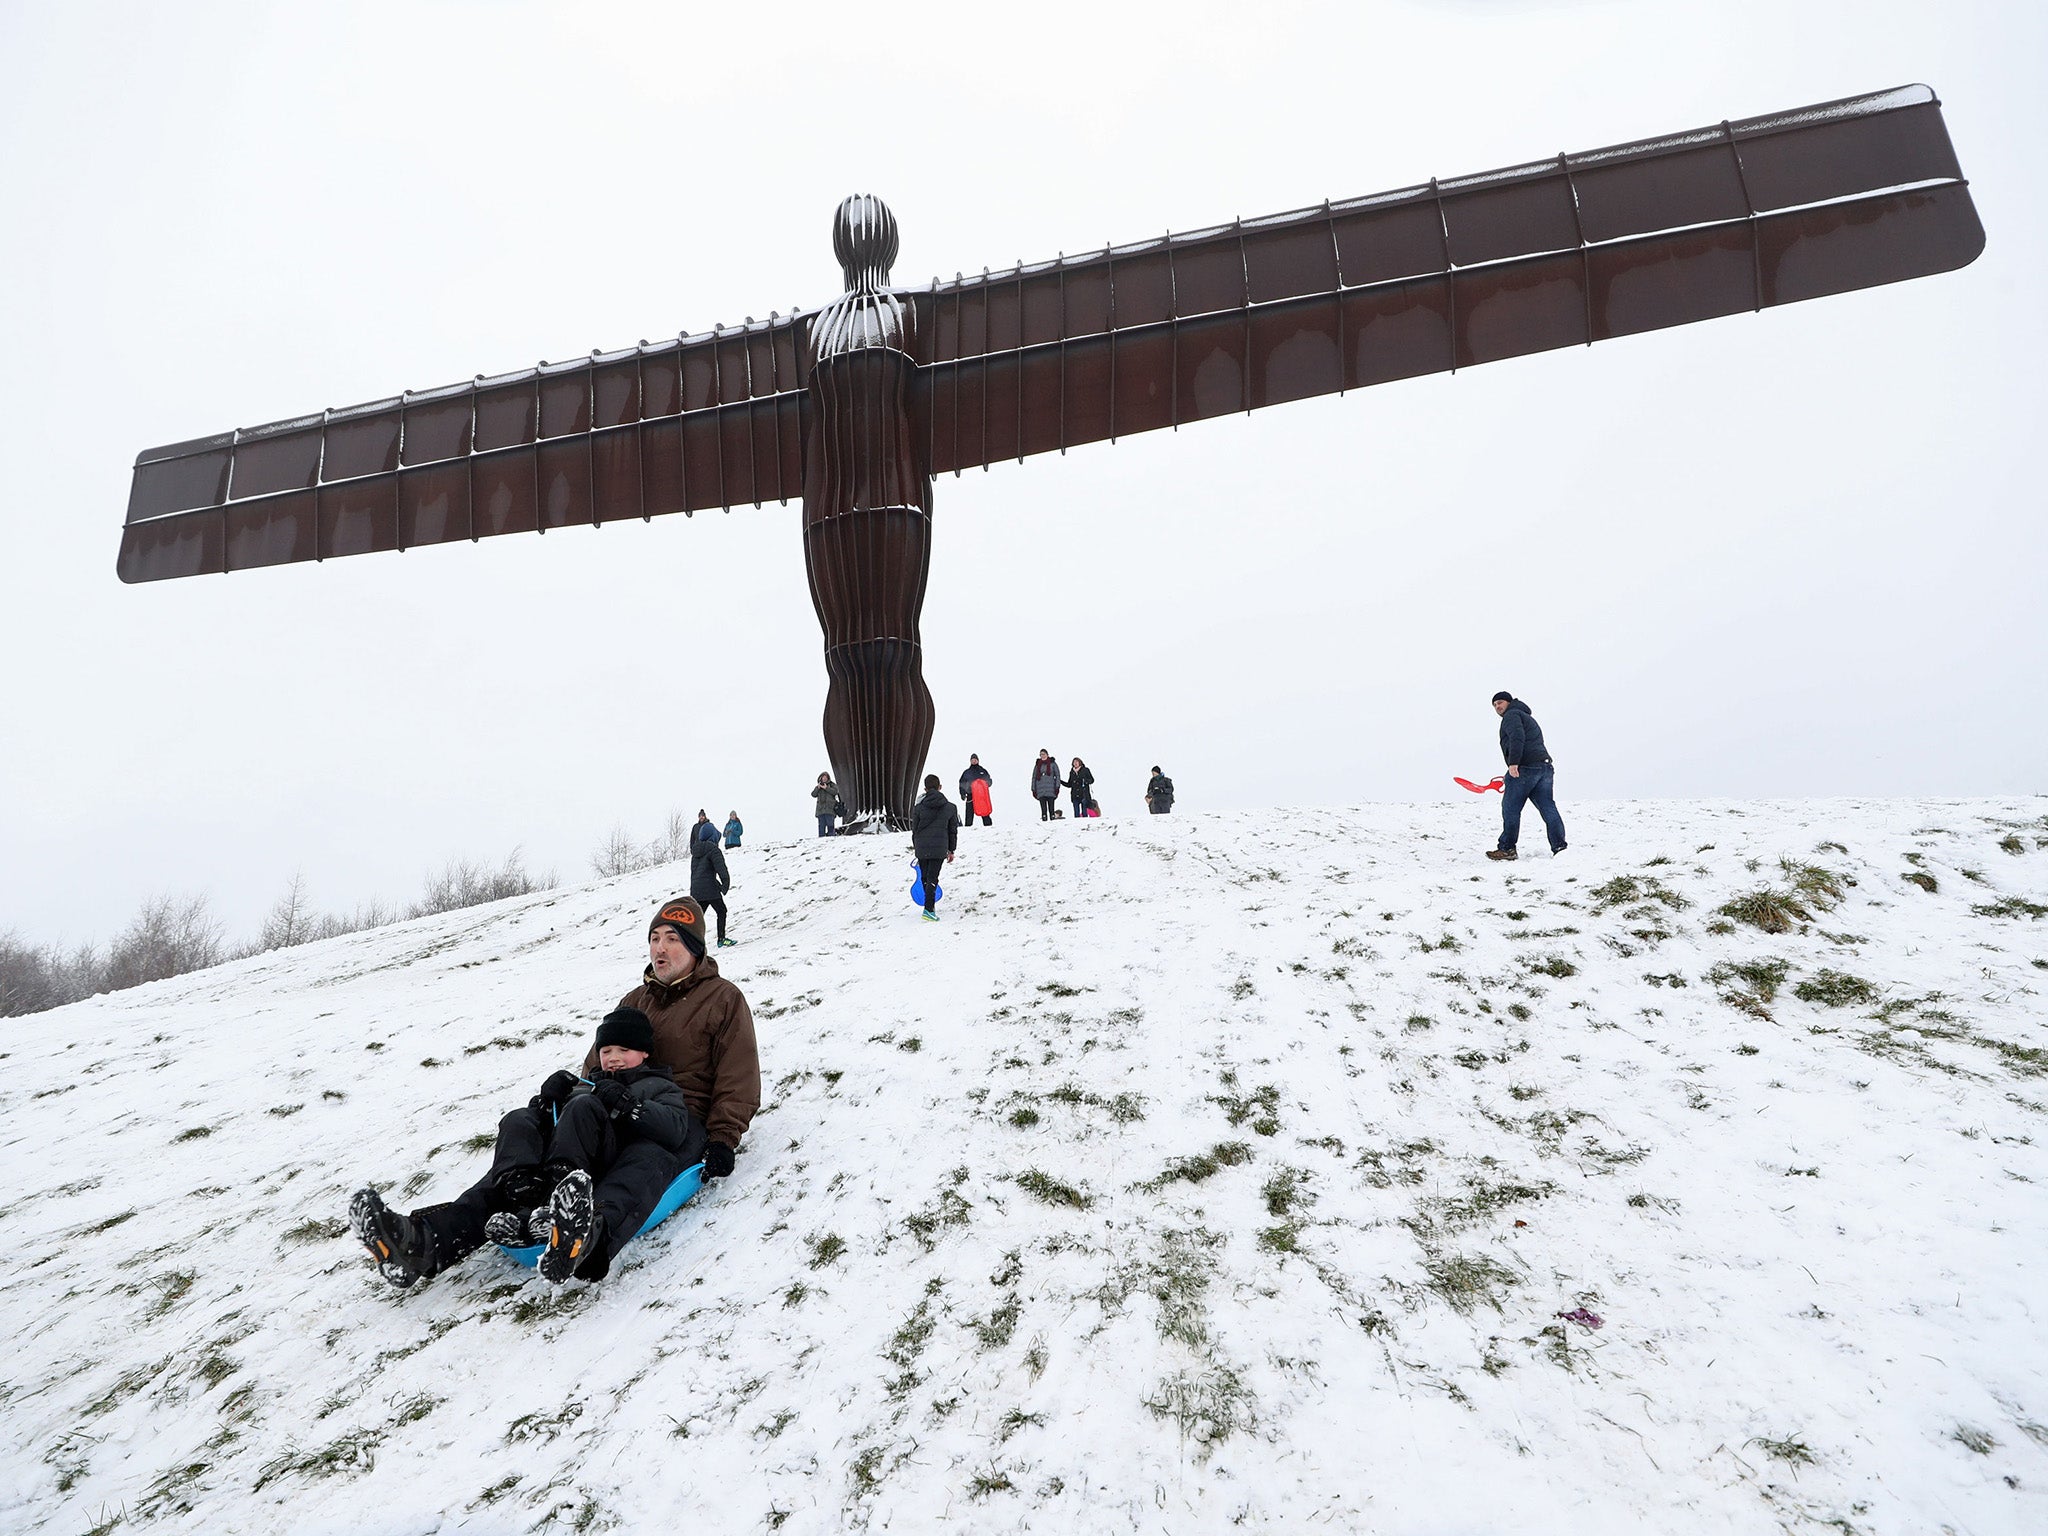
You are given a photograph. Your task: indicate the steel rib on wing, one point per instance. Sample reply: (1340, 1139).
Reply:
(1556, 253)
(705, 422)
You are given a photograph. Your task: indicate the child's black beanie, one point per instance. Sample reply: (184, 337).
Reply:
(628, 1027)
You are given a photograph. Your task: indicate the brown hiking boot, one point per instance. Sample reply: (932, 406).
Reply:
(1500, 853)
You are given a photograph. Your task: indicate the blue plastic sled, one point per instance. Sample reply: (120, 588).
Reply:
(917, 890)
(678, 1195)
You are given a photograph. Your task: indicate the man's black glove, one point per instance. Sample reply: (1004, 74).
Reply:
(717, 1160)
(616, 1098)
(557, 1089)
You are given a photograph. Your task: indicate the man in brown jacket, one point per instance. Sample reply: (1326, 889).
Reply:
(703, 1031)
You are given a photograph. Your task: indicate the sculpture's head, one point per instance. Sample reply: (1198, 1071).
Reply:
(864, 240)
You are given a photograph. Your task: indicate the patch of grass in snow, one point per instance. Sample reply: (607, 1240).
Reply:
(105, 1226)
(2011, 906)
(1061, 989)
(316, 1230)
(1035, 1358)
(1835, 989)
(1794, 1453)
(948, 1210)
(991, 1481)
(1750, 985)
(495, 1492)
(825, 1248)
(284, 1110)
(1261, 1106)
(542, 1426)
(194, 1133)
(353, 1452)
(1284, 1238)
(866, 1472)
(1768, 910)
(1043, 1186)
(1201, 1166)
(1207, 1406)
(1283, 1191)
(2012, 844)
(1464, 1281)
(1626, 890)
(1024, 1118)
(1482, 1200)
(995, 1330)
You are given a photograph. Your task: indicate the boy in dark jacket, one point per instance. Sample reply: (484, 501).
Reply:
(934, 834)
(580, 1167)
(1158, 793)
(710, 879)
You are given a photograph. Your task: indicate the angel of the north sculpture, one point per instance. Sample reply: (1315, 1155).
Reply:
(854, 406)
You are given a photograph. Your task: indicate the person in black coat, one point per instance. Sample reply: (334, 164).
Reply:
(1158, 793)
(934, 835)
(710, 879)
(974, 774)
(1080, 781)
(1530, 777)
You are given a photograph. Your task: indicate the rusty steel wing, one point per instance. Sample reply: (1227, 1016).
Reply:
(1555, 253)
(681, 426)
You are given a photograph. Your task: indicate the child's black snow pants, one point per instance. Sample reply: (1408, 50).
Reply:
(630, 1174)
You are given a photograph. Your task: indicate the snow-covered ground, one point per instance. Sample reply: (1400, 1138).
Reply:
(1220, 1170)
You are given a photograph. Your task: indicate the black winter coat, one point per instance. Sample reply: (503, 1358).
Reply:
(967, 783)
(934, 826)
(1521, 738)
(1083, 786)
(1159, 790)
(708, 874)
(663, 1117)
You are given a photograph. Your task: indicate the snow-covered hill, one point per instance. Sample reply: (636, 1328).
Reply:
(1213, 1171)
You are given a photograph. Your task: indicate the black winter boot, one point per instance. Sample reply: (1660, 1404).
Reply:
(402, 1248)
(572, 1222)
(518, 1229)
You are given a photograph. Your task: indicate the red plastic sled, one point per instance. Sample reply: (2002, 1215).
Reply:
(1480, 789)
(980, 800)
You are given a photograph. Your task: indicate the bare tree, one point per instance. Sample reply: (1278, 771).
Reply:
(674, 843)
(169, 936)
(620, 855)
(292, 920)
(462, 883)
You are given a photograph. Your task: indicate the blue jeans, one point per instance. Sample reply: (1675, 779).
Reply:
(1531, 784)
(825, 827)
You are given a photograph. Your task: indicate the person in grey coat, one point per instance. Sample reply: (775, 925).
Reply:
(1045, 783)
(934, 835)
(710, 880)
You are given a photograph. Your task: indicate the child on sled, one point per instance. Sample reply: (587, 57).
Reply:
(579, 1168)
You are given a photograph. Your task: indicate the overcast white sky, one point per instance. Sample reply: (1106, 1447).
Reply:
(1790, 554)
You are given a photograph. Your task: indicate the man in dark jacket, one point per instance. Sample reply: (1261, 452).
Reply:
(710, 879)
(1159, 793)
(934, 834)
(703, 1034)
(1530, 776)
(975, 774)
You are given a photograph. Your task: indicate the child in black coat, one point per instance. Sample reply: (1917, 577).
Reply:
(579, 1168)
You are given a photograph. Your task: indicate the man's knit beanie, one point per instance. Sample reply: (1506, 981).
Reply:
(628, 1027)
(687, 918)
